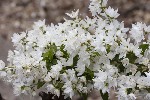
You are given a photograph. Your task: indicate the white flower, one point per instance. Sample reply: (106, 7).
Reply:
(37, 56)
(148, 74)
(89, 53)
(48, 77)
(143, 81)
(126, 81)
(147, 97)
(131, 68)
(125, 61)
(147, 28)
(10, 56)
(39, 24)
(68, 90)
(131, 96)
(111, 12)
(55, 71)
(95, 7)
(99, 80)
(122, 94)
(71, 75)
(82, 79)
(2, 65)
(80, 69)
(73, 14)
(52, 89)
(104, 3)
(17, 91)
(17, 38)
(90, 22)
(137, 32)
(33, 93)
(143, 60)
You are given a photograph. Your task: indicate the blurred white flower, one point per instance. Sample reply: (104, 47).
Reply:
(2, 65)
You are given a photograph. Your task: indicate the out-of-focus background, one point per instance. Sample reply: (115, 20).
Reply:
(19, 15)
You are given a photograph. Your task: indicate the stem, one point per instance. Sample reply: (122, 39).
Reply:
(50, 96)
(104, 96)
(1, 98)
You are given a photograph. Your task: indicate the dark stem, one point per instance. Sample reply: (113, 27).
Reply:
(1, 98)
(50, 96)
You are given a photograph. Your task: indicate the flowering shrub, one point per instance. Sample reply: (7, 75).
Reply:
(80, 55)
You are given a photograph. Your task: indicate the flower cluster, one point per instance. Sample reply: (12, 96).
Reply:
(80, 55)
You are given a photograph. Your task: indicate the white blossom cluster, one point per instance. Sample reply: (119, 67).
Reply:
(80, 55)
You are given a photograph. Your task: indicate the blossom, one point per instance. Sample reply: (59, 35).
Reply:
(122, 94)
(68, 89)
(137, 32)
(111, 12)
(73, 14)
(39, 24)
(125, 61)
(53, 90)
(100, 79)
(147, 96)
(131, 96)
(17, 37)
(95, 7)
(2, 64)
(80, 55)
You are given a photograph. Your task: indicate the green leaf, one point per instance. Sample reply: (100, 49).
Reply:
(65, 53)
(59, 85)
(96, 54)
(108, 48)
(129, 90)
(117, 62)
(89, 74)
(131, 56)
(23, 87)
(75, 60)
(54, 61)
(49, 56)
(40, 84)
(104, 96)
(142, 68)
(144, 47)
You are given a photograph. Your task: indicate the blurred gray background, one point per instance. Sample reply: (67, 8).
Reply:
(18, 15)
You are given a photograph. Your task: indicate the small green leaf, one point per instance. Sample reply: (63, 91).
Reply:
(96, 54)
(108, 48)
(117, 62)
(129, 90)
(65, 53)
(54, 61)
(23, 87)
(144, 47)
(89, 74)
(131, 56)
(49, 56)
(75, 60)
(40, 84)
(59, 85)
